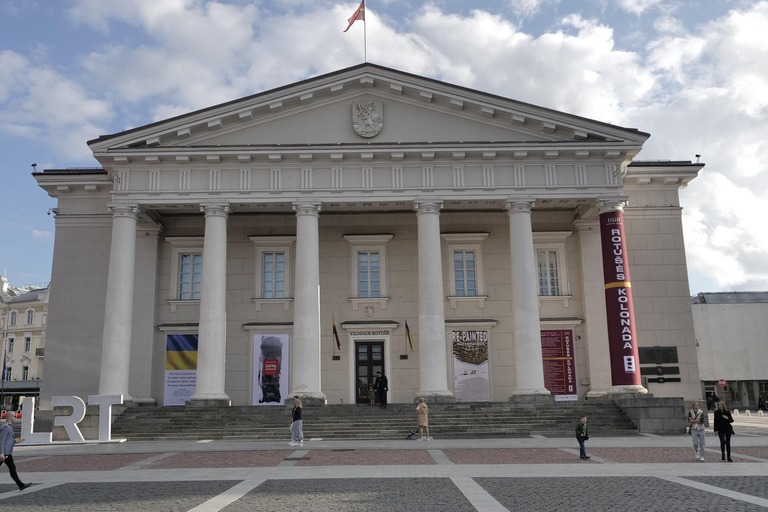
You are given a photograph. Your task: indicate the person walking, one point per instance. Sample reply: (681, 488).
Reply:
(7, 443)
(760, 404)
(422, 418)
(582, 434)
(696, 422)
(371, 395)
(382, 386)
(724, 429)
(297, 427)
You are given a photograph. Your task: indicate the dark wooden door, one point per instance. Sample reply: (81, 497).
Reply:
(369, 359)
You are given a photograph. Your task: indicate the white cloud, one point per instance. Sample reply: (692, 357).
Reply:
(529, 8)
(42, 234)
(638, 7)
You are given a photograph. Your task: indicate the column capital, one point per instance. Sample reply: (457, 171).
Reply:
(611, 204)
(124, 210)
(215, 210)
(428, 206)
(519, 205)
(307, 209)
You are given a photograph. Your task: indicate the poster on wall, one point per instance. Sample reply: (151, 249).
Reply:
(559, 367)
(180, 368)
(471, 380)
(270, 369)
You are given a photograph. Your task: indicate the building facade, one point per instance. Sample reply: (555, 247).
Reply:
(730, 341)
(287, 238)
(23, 319)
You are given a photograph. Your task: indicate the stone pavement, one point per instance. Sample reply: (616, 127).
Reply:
(639, 472)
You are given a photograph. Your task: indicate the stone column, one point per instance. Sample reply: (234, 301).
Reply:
(433, 346)
(594, 307)
(305, 345)
(118, 310)
(212, 333)
(529, 367)
(620, 311)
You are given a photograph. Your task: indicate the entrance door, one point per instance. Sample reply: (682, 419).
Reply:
(370, 359)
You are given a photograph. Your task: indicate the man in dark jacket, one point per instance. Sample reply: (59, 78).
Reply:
(382, 386)
(6, 448)
(581, 436)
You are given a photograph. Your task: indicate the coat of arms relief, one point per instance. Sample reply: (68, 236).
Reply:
(368, 118)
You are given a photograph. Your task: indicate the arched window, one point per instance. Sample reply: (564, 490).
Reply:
(30, 316)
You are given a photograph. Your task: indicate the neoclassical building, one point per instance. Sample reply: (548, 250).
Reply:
(245, 234)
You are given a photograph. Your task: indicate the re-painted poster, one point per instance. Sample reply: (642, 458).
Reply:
(270, 369)
(471, 380)
(180, 368)
(559, 367)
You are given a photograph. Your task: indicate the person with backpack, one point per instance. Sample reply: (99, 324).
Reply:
(582, 435)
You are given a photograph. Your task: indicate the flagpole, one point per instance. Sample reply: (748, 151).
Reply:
(365, 35)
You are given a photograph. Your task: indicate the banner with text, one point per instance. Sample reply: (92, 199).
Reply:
(559, 367)
(471, 380)
(270, 369)
(180, 368)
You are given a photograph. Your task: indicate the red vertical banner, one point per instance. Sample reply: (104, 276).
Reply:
(622, 336)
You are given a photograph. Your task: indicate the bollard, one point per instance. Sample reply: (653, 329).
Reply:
(735, 412)
(746, 413)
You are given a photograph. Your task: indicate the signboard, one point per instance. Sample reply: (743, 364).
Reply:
(622, 335)
(722, 383)
(270, 369)
(559, 367)
(180, 368)
(471, 380)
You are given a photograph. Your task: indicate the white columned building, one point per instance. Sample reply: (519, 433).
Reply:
(212, 344)
(118, 309)
(491, 252)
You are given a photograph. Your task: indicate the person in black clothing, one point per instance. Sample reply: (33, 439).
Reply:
(297, 424)
(582, 435)
(724, 429)
(382, 386)
(760, 404)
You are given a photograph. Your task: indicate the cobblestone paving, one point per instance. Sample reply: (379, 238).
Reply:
(613, 494)
(752, 485)
(354, 495)
(367, 458)
(119, 497)
(252, 459)
(80, 463)
(7, 487)
(514, 456)
(649, 455)
(752, 451)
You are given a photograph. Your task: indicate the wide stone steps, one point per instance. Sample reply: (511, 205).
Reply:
(365, 422)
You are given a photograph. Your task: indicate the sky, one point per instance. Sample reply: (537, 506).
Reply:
(693, 73)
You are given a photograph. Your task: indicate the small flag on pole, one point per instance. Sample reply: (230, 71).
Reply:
(336, 335)
(358, 15)
(408, 335)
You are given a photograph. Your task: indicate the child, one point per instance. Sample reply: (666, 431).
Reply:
(371, 395)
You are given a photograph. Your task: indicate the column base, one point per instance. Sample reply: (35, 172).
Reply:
(435, 397)
(144, 401)
(531, 392)
(307, 398)
(532, 399)
(208, 402)
(596, 393)
(624, 390)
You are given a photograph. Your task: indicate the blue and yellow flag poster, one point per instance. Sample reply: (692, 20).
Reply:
(180, 368)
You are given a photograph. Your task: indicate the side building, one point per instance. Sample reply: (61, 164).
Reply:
(731, 344)
(239, 238)
(23, 319)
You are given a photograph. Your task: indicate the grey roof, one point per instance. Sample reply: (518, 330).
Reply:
(29, 296)
(730, 298)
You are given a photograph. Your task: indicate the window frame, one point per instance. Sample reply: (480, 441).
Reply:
(32, 320)
(272, 244)
(553, 241)
(13, 317)
(181, 245)
(8, 373)
(465, 242)
(27, 344)
(368, 244)
(25, 372)
(10, 344)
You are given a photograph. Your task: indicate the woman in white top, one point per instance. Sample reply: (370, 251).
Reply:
(696, 421)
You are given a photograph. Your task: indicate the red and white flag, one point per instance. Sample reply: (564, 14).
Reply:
(358, 15)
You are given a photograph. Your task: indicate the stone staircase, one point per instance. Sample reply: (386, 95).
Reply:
(460, 420)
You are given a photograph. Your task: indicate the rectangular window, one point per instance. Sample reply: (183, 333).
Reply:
(368, 274)
(190, 276)
(25, 373)
(549, 278)
(27, 344)
(8, 372)
(30, 317)
(13, 319)
(273, 275)
(465, 273)
(10, 345)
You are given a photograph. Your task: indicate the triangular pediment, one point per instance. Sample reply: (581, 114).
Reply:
(410, 110)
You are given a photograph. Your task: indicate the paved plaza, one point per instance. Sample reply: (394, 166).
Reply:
(629, 473)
